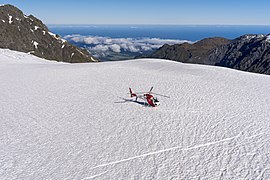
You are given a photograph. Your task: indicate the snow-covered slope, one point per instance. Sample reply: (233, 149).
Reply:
(68, 121)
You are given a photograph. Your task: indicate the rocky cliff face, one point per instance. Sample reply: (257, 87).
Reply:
(248, 53)
(28, 34)
(191, 53)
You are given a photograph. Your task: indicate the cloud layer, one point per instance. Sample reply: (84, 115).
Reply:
(117, 45)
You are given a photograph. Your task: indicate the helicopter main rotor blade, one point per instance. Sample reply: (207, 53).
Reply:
(161, 95)
(138, 92)
(151, 90)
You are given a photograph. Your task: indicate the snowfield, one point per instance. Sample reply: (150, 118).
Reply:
(71, 121)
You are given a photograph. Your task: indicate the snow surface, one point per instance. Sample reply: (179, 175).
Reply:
(10, 19)
(70, 121)
(35, 44)
(53, 35)
(268, 38)
(248, 37)
(58, 38)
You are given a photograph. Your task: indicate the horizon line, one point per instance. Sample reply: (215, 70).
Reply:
(75, 24)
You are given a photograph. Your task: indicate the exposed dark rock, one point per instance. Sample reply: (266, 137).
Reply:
(191, 53)
(28, 34)
(248, 53)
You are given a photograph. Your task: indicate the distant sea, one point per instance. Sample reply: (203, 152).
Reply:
(117, 42)
(180, 32)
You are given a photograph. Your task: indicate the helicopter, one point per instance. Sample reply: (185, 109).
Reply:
(147, 97)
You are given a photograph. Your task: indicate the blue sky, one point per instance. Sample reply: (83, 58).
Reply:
(223, 12)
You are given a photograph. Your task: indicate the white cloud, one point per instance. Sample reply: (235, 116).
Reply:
(135, 45)
(115, 48)
(146, 48)
(101, 48)
(133, 49)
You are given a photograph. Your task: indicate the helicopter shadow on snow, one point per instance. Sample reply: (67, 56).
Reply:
(124, 100)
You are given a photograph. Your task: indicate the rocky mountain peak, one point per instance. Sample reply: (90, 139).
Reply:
(197, 52)
(28, 34)
(12, 10)
(250, 52)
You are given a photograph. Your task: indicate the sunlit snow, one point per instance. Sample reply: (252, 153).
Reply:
(35, 44)
(76, 121)
(10, 19)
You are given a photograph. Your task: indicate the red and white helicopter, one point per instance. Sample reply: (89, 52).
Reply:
(147, 97)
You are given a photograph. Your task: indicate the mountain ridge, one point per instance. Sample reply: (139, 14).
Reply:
(250, 52)
(197, 52)
(28, 34)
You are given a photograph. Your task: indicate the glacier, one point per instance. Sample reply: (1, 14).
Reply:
(69, 121)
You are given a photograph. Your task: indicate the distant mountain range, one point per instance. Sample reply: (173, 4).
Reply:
(28, 34)
(197, 53)
(248, 53)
